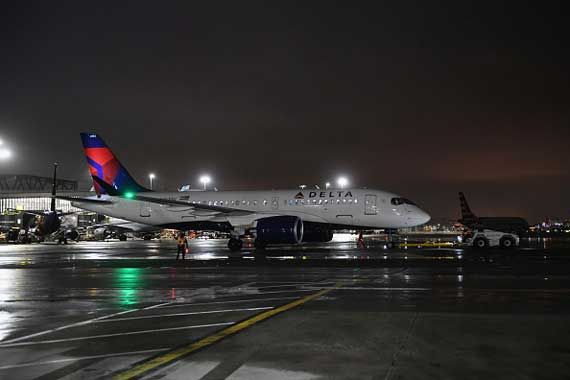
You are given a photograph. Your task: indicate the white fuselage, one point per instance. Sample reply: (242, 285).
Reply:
(346, 207)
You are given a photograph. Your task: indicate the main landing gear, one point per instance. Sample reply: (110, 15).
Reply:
(235, 244)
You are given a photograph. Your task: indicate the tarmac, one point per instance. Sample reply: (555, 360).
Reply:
(129, 310)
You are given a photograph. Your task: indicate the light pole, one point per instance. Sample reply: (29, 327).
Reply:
(342, 182)
(151, 177)
(205, 180)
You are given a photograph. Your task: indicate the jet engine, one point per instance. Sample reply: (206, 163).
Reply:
(314, 233)
(279, 230)
(48, 223)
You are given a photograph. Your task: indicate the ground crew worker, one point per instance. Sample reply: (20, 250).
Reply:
(182, 245)
(360, 241)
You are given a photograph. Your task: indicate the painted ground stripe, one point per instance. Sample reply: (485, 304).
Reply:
(384, 289)
(293, 285)
(82, 323)
(66, 360)
(180, 304)
(154, 363)
(32, 343)
(184, 314)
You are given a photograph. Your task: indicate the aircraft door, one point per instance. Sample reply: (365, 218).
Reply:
(275, 203)
(370, 205)
(145, 209)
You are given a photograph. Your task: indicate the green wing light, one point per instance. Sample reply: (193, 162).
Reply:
(130, 195)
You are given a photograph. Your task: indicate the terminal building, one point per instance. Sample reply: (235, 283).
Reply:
(21, 193)
(33, 193)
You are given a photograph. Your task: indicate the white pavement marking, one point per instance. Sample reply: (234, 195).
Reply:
(33, 343)
(292, 285)
(56, 361)
(183, 314)
(381, 289)
(82, 323)
(279, 291)
(180, 304)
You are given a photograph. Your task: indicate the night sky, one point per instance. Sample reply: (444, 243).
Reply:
(422, 98)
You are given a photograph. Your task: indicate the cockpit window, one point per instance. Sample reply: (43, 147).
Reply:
(401, 201)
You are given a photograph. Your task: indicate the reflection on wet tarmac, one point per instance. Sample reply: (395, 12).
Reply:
(88, 310)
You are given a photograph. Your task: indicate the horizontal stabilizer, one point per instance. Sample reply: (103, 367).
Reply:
(84, 200)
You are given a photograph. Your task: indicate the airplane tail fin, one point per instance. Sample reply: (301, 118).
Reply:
(466, 213)
(105, 166)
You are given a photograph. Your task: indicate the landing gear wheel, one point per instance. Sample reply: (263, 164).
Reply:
(480, 243)
(122, 237)
(235, 244)
(507, 242)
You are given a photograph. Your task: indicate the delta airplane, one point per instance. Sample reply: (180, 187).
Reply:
(271, 216)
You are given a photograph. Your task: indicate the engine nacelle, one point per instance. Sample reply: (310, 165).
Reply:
(48, 223)
(316, 234)
(279, 230)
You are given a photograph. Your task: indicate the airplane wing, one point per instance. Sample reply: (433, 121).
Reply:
(198, 206)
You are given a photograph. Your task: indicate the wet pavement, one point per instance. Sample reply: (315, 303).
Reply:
(128, 309)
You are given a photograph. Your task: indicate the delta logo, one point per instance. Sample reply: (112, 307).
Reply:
(325, 194)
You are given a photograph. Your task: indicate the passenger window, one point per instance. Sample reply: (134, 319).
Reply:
(255, 203)
(265, 202)
(356, 201)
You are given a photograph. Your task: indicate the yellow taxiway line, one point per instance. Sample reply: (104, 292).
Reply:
(147, 366)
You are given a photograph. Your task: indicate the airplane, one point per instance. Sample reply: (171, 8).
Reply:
(50, 224)
(509, 224)
(120, 228)
(271, 216)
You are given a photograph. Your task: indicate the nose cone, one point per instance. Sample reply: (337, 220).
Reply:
(423, 217)
(418, 217)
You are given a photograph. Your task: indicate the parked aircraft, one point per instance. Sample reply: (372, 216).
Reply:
(271, 216)
(510, 224)
(50, 224)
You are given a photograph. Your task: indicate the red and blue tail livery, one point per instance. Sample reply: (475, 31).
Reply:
(104, 165)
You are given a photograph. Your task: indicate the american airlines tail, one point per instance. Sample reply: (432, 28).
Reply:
(467, 215)
(106, 168)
